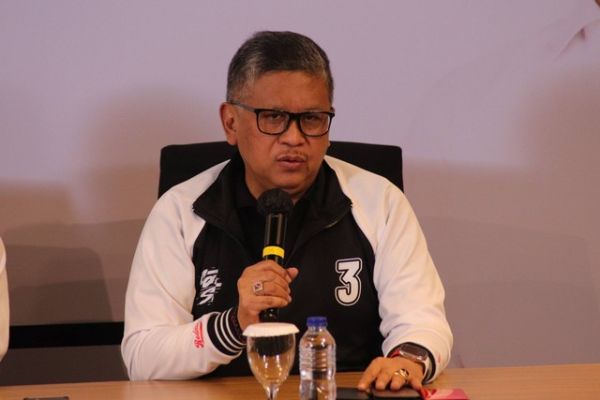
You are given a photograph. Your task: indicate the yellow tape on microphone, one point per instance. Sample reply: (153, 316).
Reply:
(273, 251)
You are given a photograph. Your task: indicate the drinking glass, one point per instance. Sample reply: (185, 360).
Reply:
(271, 347)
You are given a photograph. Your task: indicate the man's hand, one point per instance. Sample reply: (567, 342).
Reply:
(382, 371)
(261, 286)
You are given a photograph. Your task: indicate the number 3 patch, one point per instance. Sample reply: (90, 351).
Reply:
(349, 293)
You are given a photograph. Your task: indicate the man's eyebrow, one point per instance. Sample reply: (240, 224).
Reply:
(308, 109)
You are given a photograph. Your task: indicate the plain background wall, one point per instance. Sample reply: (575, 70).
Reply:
(496, 105)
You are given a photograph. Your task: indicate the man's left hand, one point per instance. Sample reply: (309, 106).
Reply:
(383, 372)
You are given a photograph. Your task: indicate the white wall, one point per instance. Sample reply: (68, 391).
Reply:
(496, 105)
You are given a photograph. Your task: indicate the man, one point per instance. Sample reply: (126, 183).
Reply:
(354, 250)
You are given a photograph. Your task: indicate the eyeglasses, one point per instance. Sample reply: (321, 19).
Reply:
(276, 122)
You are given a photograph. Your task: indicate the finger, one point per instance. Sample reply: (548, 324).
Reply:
(250, 280)
(271, 272)
(383, 379)
(270, 285)
(272, 266)
(292, 273)
(415, 377)
(398, 381)
(369, 375)
(253, 305)
(416, 383)
(264, 272)
(283, 283)
(275, 289)
(264, 302)
(261, 268)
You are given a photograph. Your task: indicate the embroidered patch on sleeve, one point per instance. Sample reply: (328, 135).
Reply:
(198, 335)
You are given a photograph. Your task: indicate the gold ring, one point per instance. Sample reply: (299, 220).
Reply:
(403, 373)
(257, 288)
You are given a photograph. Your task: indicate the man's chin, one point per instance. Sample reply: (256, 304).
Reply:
(295, 190)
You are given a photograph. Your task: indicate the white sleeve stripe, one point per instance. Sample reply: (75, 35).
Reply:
(228, 333)
(218, 335)
(231, 334)
(224, 333)
(219, 330)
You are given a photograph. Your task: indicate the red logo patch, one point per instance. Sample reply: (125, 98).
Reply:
(198, 335)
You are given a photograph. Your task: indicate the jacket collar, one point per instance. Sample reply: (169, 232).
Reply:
(327, 202)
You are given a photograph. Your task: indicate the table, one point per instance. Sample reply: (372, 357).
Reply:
(573, 381)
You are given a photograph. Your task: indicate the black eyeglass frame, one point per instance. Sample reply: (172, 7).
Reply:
(291, 117)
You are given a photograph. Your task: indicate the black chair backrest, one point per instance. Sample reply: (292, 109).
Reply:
(179, 162)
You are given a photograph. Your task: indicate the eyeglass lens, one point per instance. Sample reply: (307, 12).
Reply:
(276, 122)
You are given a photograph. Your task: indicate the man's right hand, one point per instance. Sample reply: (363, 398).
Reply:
(272, 282)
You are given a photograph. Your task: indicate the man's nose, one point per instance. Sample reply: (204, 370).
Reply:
(293, 135)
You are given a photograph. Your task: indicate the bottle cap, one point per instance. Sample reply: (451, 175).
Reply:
(316, 321)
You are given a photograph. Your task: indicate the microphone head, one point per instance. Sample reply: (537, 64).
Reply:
(274, 201)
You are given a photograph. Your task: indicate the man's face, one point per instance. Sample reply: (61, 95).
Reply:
(291, 160)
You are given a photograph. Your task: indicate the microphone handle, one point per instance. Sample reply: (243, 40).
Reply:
(270, 314)
(274, 236)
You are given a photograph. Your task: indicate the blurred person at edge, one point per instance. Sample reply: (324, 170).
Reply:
(354, 249)
(4, 310)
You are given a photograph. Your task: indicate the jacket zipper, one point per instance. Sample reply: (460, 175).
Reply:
(328, 226)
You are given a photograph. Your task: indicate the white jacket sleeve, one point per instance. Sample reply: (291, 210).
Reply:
(161, 339)
(411, 295)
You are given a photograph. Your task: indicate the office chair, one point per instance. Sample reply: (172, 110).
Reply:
(179, 162)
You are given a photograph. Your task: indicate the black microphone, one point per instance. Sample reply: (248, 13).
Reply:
(274, 205)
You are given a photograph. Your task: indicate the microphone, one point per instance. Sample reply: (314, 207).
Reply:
(274, 205)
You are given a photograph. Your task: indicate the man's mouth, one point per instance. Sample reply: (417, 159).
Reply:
(291, 162)
(291, 158)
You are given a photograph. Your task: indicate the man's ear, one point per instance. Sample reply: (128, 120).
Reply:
(229, 122)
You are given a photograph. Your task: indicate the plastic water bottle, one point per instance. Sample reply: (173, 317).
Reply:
(317, 361)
